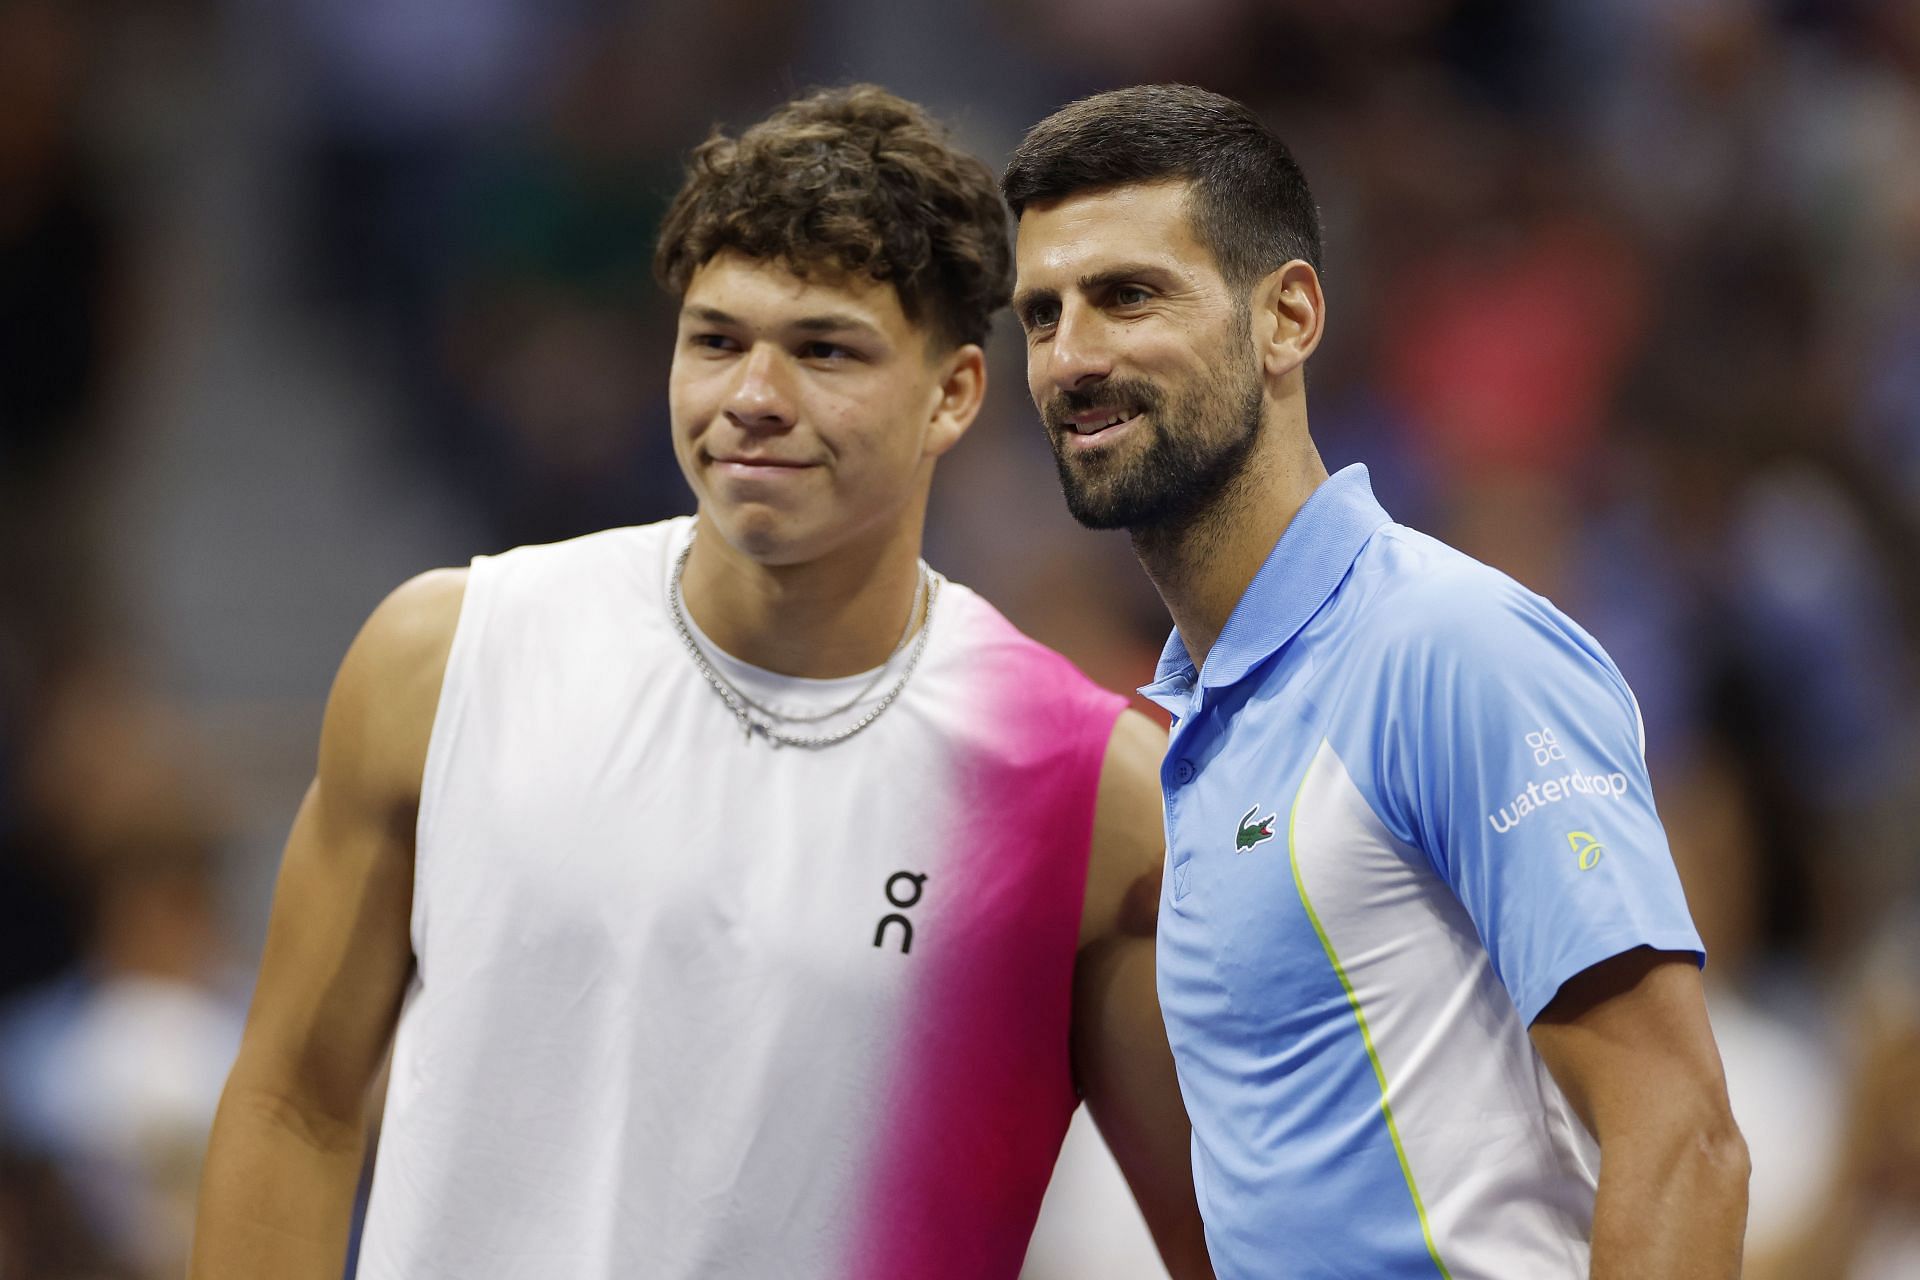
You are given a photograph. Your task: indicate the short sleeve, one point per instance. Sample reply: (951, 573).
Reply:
(1516, 765)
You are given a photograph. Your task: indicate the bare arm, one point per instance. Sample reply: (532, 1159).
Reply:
(1628, 1042)
(284, 1159)
(1120, 1047)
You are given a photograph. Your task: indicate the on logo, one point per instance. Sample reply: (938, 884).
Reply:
(1545, 749)
(915, 883)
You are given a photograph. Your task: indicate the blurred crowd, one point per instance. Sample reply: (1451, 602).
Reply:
(298, 298)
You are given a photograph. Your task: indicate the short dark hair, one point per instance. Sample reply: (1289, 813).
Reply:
(1251, 204)
(851, 180)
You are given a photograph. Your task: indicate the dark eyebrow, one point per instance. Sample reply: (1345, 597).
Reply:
(1126, 271)
(1024, 301)
(826, 322)
(835, 322)
(1123, 273)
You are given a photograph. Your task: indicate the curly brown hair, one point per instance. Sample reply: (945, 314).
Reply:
(852, 180)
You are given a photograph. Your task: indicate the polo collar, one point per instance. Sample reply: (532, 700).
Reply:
(1312, 557)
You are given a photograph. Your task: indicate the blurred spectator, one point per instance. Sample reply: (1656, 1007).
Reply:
(41, 1236)
(1814, 606)
(58, 299)
(111, 1071)
(554, 340)
(59, 337)
(540, 375)
(1523, 377)
(1865, 1224)
(394, 94)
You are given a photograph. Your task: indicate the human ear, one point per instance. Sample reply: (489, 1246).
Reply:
(1288, 317)
(961, 389)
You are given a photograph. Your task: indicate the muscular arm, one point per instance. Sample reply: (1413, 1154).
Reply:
(1120, 1047)
(1629, 1044)
(285, 1155)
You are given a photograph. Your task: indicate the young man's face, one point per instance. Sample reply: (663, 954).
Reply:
(806, 413)
(1139, 356)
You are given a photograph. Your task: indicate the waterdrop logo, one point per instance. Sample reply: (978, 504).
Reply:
(1539, 795)
(1546, 749)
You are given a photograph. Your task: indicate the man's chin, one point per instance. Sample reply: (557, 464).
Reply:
(1097, 503)
(762, 534)
(1099, 522)
(1103, 512)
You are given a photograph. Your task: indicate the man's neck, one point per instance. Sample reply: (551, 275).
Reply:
(836, 616)
(1203, 570)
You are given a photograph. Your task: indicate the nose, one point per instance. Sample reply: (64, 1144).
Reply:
(760, 399)
(1079, 353)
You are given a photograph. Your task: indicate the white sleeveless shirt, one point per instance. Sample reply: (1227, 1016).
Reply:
(691, 1005)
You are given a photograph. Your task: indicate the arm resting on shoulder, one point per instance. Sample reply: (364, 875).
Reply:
(1120, 1051)
(283, 1163)
(1629, 1044)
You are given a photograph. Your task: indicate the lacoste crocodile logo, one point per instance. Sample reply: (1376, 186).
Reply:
(1252, 832)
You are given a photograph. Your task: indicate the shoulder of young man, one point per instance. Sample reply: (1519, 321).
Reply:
(1129, 834)
(381, 710)
(1128, 840)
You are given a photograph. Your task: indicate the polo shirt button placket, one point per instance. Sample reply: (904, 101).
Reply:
(1181, 774)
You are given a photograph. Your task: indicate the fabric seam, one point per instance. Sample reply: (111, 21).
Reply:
(1360, 1017)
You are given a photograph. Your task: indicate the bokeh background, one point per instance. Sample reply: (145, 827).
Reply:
(300, 297)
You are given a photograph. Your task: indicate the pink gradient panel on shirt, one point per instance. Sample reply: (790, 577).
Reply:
(982, 1090)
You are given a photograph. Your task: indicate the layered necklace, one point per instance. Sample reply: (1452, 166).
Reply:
(756, 717)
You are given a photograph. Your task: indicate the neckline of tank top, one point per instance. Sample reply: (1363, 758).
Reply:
(802, 695)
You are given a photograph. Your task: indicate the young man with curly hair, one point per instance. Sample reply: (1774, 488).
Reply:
(750, 899)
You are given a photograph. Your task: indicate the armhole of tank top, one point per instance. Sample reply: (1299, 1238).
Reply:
(1104, 708)
(448, 714)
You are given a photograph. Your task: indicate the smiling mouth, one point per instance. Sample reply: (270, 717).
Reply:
(1087, 428)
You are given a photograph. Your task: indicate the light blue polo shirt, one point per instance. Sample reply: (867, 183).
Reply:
(1406, 800)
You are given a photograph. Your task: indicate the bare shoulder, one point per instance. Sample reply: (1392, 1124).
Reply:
(1123, 873)
(380, 712)
(1134, 753)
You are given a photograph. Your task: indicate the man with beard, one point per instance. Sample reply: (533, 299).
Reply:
(750, 900)
(1430, 981)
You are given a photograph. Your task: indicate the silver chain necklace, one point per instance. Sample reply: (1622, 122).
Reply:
(906, 633)
(743, 707)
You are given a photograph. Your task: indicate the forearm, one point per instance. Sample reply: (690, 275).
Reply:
(1183, 1250)
(1124, 1064)
(1675, 1210)
(276, 1195)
